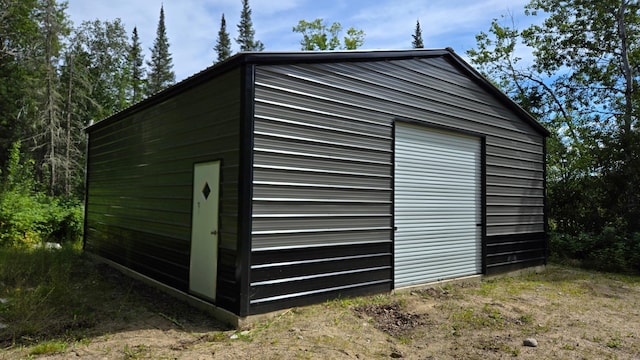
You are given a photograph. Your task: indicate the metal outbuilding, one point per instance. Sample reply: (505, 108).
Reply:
(274, 180)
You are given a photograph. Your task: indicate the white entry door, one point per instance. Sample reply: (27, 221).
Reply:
(203, 269)
(437, 205)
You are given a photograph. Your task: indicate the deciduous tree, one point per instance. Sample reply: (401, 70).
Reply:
(583, 84)
(106, 49)
(593, 49)
(319, 35)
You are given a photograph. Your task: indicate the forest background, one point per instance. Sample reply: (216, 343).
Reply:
(581, 83)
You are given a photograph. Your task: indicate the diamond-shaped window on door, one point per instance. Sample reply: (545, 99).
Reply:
(206, 190)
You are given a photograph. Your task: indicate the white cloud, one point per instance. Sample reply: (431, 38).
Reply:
(192, 25)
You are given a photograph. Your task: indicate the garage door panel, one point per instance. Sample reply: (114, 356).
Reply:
(437, 205)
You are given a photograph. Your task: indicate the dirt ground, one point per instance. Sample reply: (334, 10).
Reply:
(572, 314)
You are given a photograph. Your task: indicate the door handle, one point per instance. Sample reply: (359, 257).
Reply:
(214, 232)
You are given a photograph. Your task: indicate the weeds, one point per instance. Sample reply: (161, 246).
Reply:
(48, 347)
(134, 352)
(173, 320)
(468, 318)
(380, 299)
(42, 294)
(614, 342)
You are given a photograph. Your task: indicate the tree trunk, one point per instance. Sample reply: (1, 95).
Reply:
(67, 163)
(629, 193)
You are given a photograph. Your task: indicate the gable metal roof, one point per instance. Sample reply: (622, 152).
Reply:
(300, 57)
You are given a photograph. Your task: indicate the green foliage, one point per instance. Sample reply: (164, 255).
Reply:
(317, 35)
(614, 342)
(136, 63)
(43, 294)
(583, 85)
(161, 73)
(354, 39)
(48, 347)
(593, 49)
(223, 44)
(417, 42)
(29, 217)
(609, 250)
(18, 28)
(246, 33)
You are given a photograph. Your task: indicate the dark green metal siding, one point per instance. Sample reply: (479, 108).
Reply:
(140, 169)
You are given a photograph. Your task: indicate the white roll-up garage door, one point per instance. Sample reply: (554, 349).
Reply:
(437, 205)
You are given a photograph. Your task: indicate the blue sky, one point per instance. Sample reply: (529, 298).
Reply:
(192, 25)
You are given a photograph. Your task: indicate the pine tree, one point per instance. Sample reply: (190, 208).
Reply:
(223, 45)
(417, 37)
(246, 32)
(161, 74)
(136, 61)
(49, 136)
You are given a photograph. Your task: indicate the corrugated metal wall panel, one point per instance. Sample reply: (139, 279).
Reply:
(276, 174)
(322, 180)
(315, 159)
(437, 205)
(331, 123)
(320, 98)
(299, 275)
(139, 193)
(513, 250)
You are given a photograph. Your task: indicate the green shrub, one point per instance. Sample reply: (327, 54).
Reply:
(634, 252)
(609, 250)
(28, 216)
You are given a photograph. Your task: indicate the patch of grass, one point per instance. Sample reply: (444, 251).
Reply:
(493, 315)
(48, 347)
(466, 318)
(526, 319)
(489, 316)
(217, 336)
(487, 288)
(404, 340)
(513, 351)
(614, 342)
(379, 299)
(507, 287)
(134, 352)
(46, 294)
(62, 296)
(624, 278)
